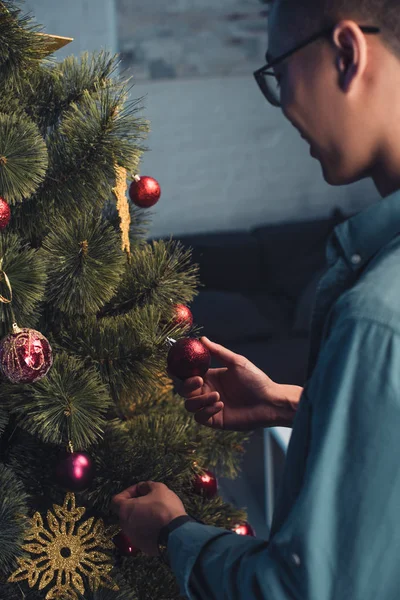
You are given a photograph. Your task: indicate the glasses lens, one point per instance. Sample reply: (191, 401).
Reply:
(269, 87)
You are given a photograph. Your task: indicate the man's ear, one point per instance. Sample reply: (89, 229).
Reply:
(351, 49)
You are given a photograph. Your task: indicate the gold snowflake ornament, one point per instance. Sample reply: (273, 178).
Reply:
(65, 554)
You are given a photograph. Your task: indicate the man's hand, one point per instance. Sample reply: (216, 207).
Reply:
(143, 509)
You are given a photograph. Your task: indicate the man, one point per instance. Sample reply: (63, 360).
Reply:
(335, 532)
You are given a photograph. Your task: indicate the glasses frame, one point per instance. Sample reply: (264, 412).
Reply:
(265, 70)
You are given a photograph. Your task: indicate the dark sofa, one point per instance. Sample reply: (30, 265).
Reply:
(259, 289)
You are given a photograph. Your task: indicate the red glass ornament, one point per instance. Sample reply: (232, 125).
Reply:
(5, 213)
(206, 484)
(75, 471)
(182, 316)
(244, 529)
(124, 544)
(145, 192)
(188, 357)
(25, 356)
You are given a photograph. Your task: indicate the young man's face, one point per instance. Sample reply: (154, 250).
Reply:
(315, 99)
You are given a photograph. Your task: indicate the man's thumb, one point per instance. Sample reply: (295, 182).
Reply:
(221, 353)
(144, 487)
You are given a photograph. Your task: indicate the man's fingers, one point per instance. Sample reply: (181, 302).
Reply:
(134, 491)
(195, 404)
(190, 388)
(203, 416)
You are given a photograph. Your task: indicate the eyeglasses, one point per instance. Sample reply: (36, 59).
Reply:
(267, 80)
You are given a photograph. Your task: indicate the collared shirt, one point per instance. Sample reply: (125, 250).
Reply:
(336, 528)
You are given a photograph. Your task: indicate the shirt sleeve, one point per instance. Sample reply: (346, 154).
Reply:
(341, 539)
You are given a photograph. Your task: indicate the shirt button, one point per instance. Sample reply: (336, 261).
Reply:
(356, 259)
(296, 559)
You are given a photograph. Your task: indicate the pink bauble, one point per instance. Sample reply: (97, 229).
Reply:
(25, 356)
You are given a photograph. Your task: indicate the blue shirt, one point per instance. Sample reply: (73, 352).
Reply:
(336, 528)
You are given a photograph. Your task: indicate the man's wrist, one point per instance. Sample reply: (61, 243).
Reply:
(285, 405)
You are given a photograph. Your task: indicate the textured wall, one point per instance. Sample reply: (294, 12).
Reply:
(190, 38)
(92, 23)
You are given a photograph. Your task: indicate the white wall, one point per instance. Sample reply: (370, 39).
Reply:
(91, 23)
(227, 160)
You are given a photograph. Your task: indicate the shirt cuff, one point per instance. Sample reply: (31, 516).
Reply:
(184, 546)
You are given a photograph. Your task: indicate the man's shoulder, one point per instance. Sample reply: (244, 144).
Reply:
(376, 294)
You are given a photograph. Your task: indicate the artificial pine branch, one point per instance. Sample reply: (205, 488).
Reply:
(27, 276)
(84, 263)
(13, 509)
(159, 273)
(70, 404)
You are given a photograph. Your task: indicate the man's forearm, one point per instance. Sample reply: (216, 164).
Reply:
(288, 401)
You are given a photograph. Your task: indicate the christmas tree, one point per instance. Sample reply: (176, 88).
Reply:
(88, 309)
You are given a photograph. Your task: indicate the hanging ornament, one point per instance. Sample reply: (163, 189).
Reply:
(25, 355)
(5, 213)
(188, 357)
(244, 529)
(124, 545)
(67, 558)
(75, 471)
(206, 484)
(144, 191)
(182, 316)
(119, 192)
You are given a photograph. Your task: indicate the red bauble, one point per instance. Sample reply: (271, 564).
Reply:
(5, 213)
(244, 529)
(75, 471)
(206, 484)
(145, 192)
(188, 357)
(182, 316)
(25, 356)
(124, 545)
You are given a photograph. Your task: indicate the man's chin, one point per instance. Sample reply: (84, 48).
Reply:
(337, 178)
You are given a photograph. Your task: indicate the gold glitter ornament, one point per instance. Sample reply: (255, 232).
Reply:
(65, 553)
(119, 191)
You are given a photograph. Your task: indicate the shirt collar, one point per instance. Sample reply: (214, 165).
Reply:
(361, 236)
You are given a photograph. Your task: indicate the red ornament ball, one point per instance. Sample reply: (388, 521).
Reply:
(244, 529)
(25, 356)
(5, 213)
(124, 545)
(145, 192)
(206, 484)
(75, 471)
(188, 357)
(182, 316)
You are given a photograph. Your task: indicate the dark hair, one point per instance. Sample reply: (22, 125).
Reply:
(308, 16)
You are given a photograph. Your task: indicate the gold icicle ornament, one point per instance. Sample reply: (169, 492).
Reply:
(65, 555)
(120, 189)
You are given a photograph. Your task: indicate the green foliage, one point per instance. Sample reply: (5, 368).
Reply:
(128, 350)
(84, 263)
(27, 276)
(4, 418)
(50, 91)
(69, 404)
(13, 509)
(20, 47)
(157, 273)
(23, 157)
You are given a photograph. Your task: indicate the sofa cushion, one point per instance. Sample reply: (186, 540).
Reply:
(230, 316)
(293, 252)
(229, 261)
(283, 360)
